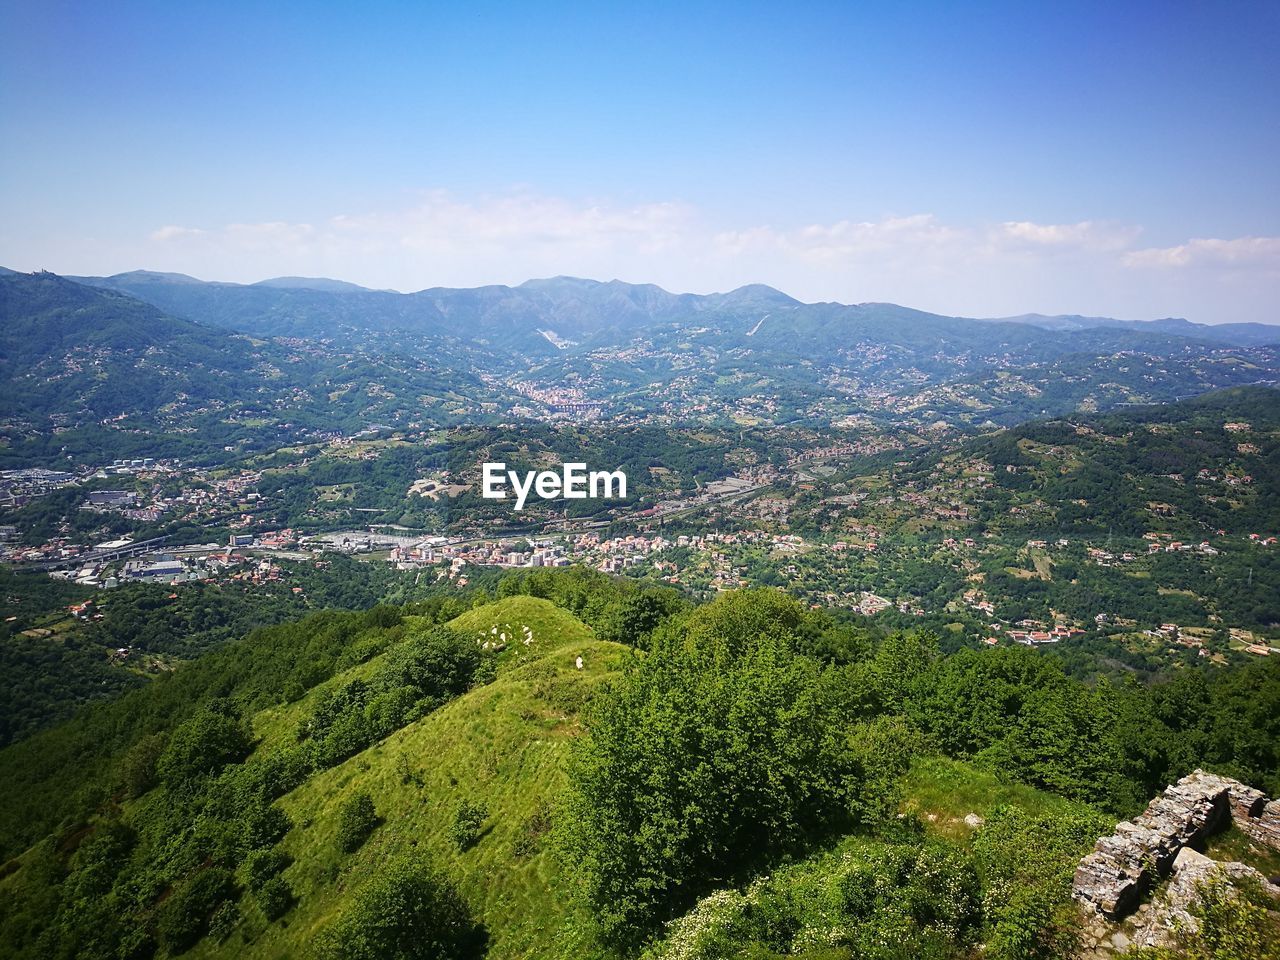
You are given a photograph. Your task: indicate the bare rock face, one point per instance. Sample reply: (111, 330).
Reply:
(1122, 867)
(1172, 910)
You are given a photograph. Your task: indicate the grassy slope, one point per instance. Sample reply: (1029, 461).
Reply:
(942, 792)
(503, 745)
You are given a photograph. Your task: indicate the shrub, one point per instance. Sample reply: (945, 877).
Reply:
(884, 748)
(715, 753)
(264, 824)
(185, 916)
(1232, 919)
(138, 769)
(435, 666)
(468, 823)
(203, 746)
(274, 897)
(261, 865)
(356, 820)
(409, 912)
(873, 900)
(224, 921)
(1026, 863)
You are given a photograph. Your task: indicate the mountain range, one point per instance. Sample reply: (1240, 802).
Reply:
(163, 361)
(579, 309)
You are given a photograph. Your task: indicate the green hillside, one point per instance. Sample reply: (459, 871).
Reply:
(759, 780)
(118, 377)
(1193, 467)
(502, 745)
(70, 350)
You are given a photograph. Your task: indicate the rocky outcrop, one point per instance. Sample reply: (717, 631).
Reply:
(1123, 867)
(1173, 910)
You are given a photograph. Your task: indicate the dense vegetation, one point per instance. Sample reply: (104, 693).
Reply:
(365, 763)
(747, 780)
(684, 788)
(1100, 473)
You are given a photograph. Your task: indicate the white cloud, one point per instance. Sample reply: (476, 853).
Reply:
(165, 234)
(844, 239)
(443, 239)
(1085, 235)
(1243, 252)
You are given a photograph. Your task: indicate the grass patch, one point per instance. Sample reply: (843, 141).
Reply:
(1233, 844)
(942, 792)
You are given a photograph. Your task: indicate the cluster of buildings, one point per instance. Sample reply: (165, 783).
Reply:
(1042, 634)
(562, 401)
(173, 566)
(1177, 546)
(863, 447)
(18, 487)
(745, 481)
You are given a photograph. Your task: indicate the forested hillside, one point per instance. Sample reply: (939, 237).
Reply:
(93, 374)
(1200, 465)
(591, 767)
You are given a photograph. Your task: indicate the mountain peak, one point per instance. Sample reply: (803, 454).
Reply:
(154, 276)
(310, 283)
(759, 293)
(559, 283)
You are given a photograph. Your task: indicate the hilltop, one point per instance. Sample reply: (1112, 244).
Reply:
(502, 745)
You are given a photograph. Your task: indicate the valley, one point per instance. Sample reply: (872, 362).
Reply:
(990, 584)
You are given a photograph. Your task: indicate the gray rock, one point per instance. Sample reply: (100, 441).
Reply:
(1124, 866)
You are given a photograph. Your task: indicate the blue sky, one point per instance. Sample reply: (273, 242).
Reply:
(969, 158)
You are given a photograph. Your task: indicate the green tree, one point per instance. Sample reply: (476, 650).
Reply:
(356, 820)
(185, 916)
(138, 772)
(202, 746)
(261, 865)
(274, 898)
(631, 619)
(714, 752)
(468, 823)
(409, 912)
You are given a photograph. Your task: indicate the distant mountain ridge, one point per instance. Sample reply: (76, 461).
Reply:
(214, 364)
(563, 320)
(592, 311)
(1242, 334)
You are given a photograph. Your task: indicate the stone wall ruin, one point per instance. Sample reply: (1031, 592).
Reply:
(1124, 866)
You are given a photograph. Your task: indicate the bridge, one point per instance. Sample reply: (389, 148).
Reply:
(97, 556)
